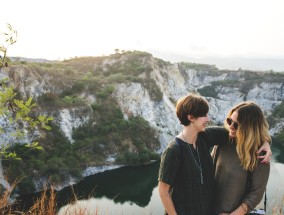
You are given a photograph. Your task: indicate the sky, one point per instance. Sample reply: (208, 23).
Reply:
(173, 30)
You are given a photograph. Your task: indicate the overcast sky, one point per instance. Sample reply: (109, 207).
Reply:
(172, 29)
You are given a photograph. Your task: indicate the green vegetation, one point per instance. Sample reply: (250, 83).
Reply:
(10, 37)
(277, 115)
(20, 122)
(279, 138)
(52, 100)
(59, 159)
(124, 67)
(17, 115)
(154, 91)
(113, 135)
(107, 134)
(201, 67)
(56, 162)
(279, 111)
(162, 63)
(208, 91)
(247, 80)
(278, 143)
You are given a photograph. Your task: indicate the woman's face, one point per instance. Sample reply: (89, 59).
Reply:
(232, 130)
(200, 123)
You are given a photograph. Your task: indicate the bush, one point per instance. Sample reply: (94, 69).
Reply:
(26, 186)
(105, 91)
(135, 158)
(208, 91)
(279, 111)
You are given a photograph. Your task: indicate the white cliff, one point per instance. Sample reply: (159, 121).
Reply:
(70, 119)
(134, 98)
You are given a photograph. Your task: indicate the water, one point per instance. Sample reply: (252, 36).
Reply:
(127, 190)
(275, 186)
(133, 191)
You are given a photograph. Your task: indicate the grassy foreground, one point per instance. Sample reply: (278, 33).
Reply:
(46, 205)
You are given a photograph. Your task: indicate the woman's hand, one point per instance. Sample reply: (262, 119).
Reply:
(265, 148)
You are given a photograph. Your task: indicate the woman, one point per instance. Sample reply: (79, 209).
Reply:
(186, 169)
(240, 178)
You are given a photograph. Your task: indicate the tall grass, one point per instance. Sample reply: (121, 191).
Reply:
(46, 205)
(5, 198)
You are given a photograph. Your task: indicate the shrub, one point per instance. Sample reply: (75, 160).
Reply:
(208, 91)
(279, 111)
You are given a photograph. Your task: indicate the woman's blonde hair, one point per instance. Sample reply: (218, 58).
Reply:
(252, 131)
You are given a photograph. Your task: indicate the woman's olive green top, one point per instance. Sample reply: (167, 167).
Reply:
(191, 189)
(233, 185)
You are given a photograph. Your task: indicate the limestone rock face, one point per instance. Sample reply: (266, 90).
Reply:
(151, 94)
(172, 80)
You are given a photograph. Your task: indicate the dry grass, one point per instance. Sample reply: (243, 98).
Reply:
(46, 205)
(75, 208)
(5, 200)
(4, 203)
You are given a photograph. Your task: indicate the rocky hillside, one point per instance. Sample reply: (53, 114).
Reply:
(119, 109)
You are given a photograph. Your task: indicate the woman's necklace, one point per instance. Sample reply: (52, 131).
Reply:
(198, 165)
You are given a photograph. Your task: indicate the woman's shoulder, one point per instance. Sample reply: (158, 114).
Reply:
(173, 144)
(173, 149)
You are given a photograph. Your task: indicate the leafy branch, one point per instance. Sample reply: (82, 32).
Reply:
(18, 123)
(9, 38)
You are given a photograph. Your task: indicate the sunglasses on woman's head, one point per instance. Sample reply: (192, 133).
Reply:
(230, 122)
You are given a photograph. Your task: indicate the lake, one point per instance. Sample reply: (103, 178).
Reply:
(126, 190)
(133, 191)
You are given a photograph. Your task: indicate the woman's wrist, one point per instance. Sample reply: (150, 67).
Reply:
(244, 208)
